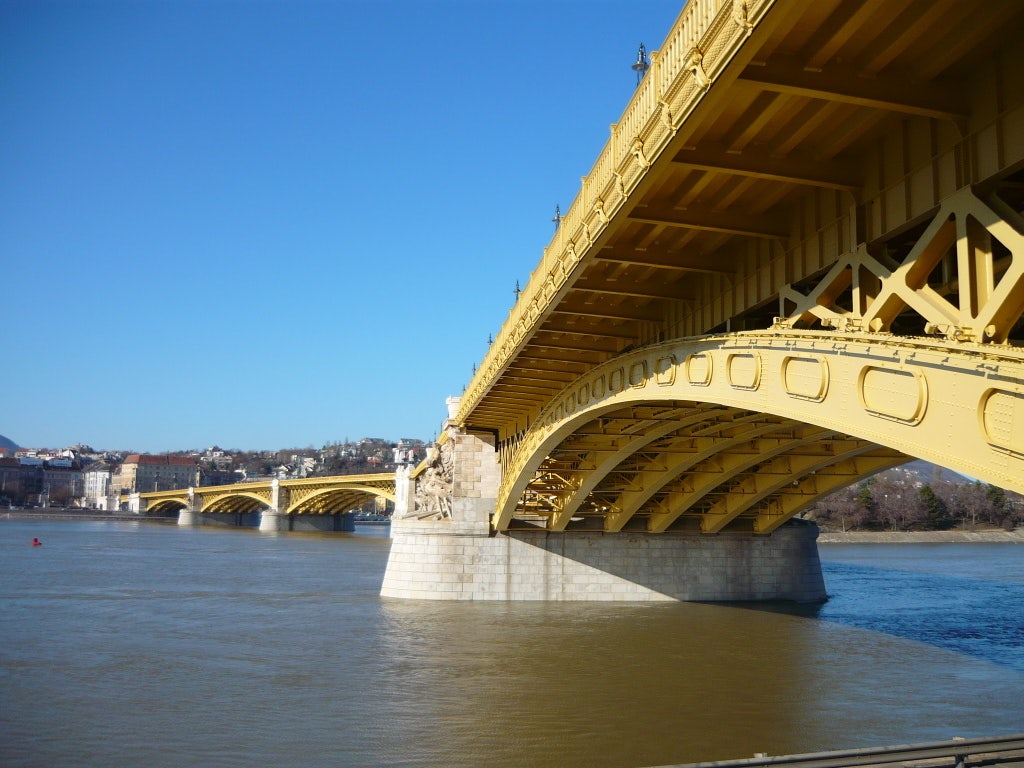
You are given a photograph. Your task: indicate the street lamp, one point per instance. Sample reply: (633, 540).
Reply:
(642, 64)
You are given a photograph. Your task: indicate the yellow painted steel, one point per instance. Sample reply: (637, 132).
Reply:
(312, 495)
(339, 493)
(745, 430)
(798, 260)
(163, 501)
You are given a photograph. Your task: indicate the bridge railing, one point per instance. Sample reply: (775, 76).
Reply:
(678, 78)
(957, 753)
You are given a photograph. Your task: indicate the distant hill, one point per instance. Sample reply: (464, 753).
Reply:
(7, 443)
(928, 472)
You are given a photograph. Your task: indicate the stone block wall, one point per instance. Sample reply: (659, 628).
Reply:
(476, 475)
(449, 560)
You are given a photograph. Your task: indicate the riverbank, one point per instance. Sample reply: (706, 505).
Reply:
(920, 537)
(90, 515)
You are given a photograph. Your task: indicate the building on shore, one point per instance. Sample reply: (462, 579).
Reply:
(144, 472)
(30, 480)
(97, 480)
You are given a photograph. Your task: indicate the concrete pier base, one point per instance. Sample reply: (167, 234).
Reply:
(338, 522)
(447, 560)
(231, 519)
(273, 521)
(188, 517)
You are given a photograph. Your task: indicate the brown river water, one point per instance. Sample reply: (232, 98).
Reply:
(140, 644)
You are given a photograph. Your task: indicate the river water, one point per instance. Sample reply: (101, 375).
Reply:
(140, 644)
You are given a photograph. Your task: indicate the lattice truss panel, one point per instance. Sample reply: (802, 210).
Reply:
(962, 279)
(692, 467)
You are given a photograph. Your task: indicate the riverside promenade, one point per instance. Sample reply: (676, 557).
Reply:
(71, 513)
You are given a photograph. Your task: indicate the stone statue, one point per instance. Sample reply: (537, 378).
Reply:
(433, 500)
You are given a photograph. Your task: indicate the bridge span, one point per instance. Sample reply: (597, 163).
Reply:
(798, 260)
(312, 503)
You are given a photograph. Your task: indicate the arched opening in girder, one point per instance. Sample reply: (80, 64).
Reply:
(235, 503)
(688, 466)
(345, 499)
(168, 508)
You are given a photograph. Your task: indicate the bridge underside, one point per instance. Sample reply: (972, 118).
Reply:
(690, 466)
(166, 506)
(741, 432)
(798, 260)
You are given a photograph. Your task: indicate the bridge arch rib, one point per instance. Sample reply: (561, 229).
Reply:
(743, 431)
(166, 506)
(330, 500)
(235, 502)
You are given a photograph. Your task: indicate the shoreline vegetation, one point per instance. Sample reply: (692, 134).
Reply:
(921, 537)
(919, 497)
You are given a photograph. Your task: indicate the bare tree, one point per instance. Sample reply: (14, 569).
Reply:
(898, 502)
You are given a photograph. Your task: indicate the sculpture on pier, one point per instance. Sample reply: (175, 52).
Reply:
(433, 500)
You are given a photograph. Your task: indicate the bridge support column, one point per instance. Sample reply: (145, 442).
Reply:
(405, 492)
(346, 522)
(449, 560)
(191, 515)
(476, 476)
(272, 518)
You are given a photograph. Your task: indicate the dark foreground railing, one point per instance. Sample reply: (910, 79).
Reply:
(956, 753)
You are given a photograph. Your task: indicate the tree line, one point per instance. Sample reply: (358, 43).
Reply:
(899, 500)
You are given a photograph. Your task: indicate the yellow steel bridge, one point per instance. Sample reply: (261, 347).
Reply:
(308, 496)
(798, 260)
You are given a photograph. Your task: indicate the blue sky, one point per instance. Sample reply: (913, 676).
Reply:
(279, 224)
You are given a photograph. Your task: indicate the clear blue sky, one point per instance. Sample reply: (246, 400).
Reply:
(279, 224)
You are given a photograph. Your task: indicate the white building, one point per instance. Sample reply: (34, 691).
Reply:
(96, 479)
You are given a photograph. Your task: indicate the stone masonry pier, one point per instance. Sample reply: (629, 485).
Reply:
(447, 560)
(455, 554)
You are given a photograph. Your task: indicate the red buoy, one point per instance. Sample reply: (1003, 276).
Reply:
(36, 543)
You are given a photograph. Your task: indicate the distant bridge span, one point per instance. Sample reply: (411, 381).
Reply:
(274, 500)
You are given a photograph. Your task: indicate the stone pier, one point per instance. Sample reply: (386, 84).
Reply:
(456, 556)
(273, 518)
(448, 560)
(191, 515)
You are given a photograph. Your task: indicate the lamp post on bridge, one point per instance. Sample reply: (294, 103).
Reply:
(641, 65)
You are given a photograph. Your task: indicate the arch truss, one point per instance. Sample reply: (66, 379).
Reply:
(741, 432)
(904, 349)
(314, 495)
(329, 495)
